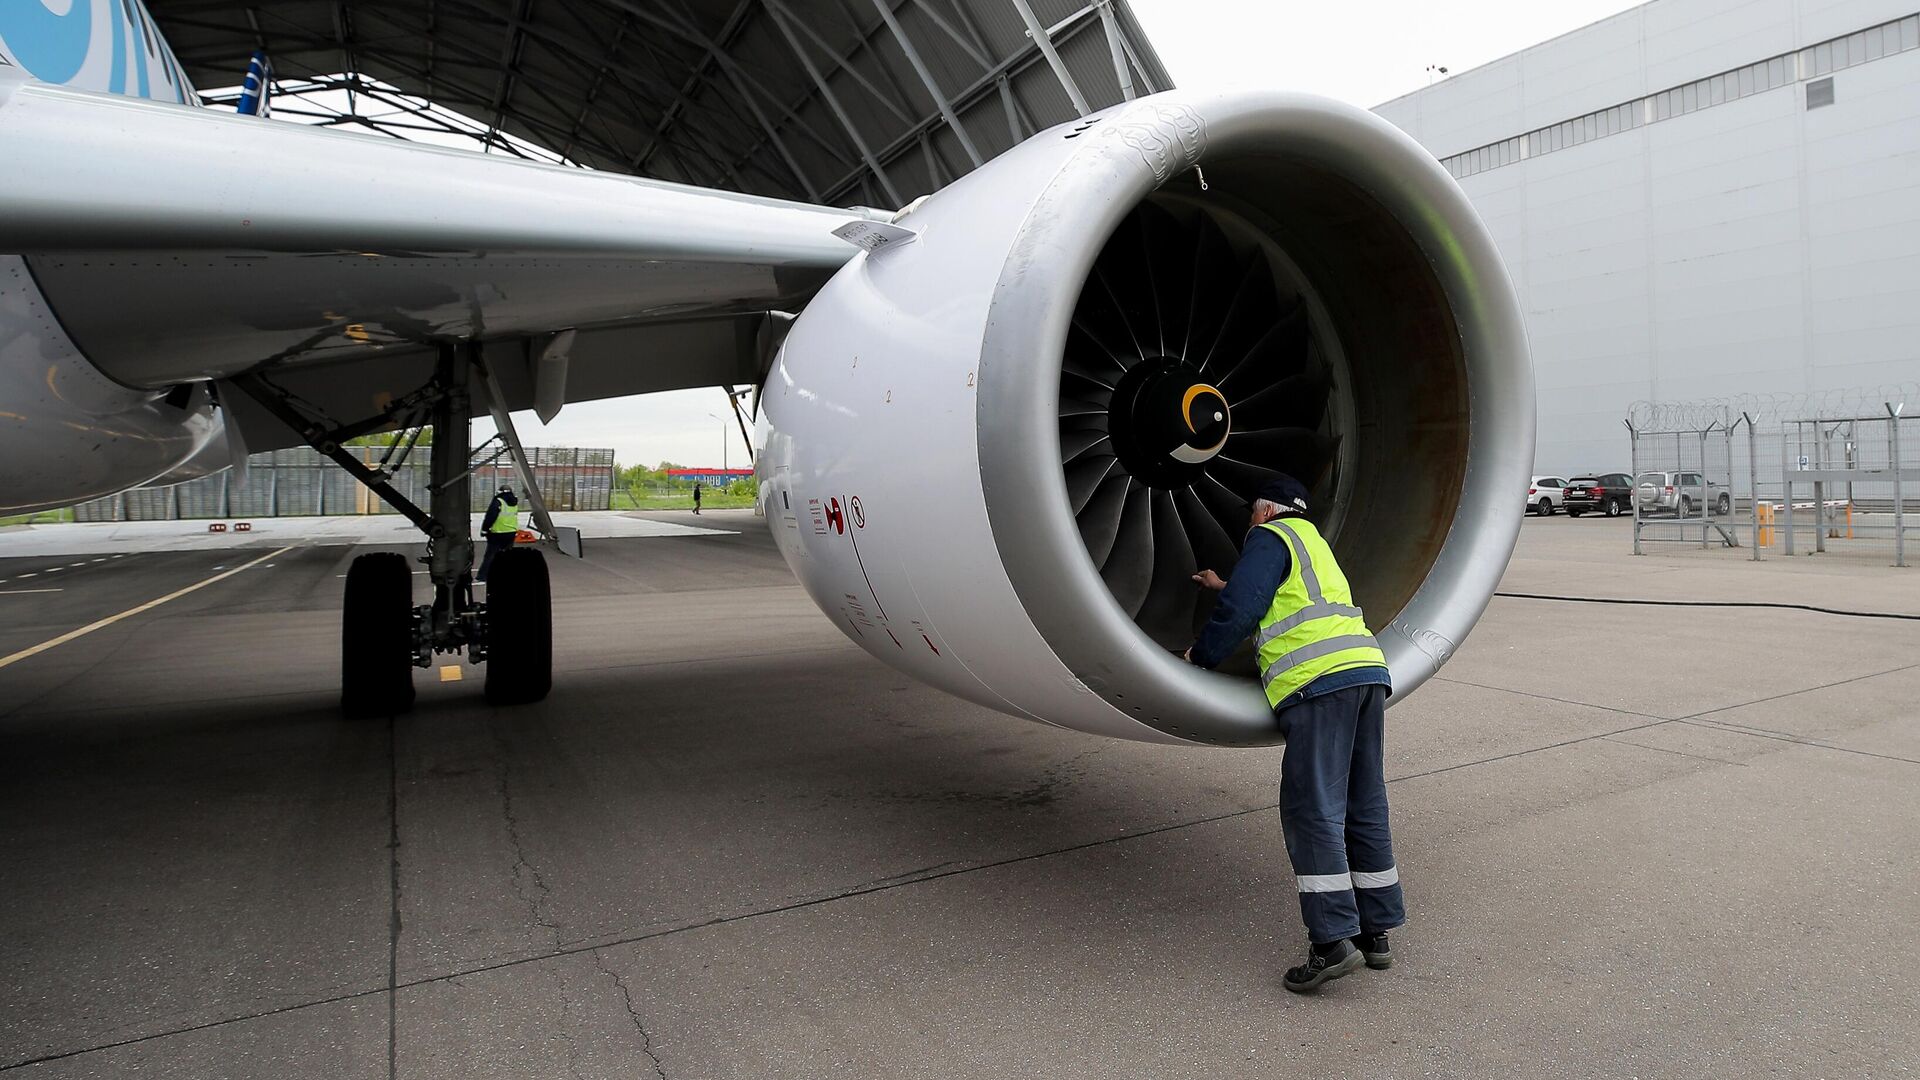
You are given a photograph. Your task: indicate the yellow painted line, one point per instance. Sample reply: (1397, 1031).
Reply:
(132, 611)
(450, 673)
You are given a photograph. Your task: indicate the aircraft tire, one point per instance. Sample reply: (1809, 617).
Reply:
(519, 628)
(376, 637)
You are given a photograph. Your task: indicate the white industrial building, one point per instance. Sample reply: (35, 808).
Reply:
(1698, 199)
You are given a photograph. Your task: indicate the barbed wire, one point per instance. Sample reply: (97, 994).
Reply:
(1770, 411)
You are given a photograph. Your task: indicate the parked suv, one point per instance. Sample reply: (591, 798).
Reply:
(1608, 493)
(1678, 492)
(1545, 494)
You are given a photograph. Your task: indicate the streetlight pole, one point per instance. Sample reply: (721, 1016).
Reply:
(723, 440)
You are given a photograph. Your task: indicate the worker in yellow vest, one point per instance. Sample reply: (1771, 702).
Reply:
(500, 526)
(1327, 683)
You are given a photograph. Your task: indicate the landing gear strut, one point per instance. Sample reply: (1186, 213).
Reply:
(384, 636)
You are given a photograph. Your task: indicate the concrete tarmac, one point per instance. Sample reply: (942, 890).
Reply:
(1636, 841)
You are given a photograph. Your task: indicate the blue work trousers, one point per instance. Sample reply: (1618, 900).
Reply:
(496, 543)
(1333, 809)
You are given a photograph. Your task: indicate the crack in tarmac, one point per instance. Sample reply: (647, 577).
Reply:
(523, 869)
(633, 1014)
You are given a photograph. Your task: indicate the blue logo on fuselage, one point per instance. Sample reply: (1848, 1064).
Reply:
(107, 45)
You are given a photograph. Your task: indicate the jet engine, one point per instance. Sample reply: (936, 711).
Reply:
(998, 443)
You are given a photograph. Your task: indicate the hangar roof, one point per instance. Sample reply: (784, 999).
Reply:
(826, 101)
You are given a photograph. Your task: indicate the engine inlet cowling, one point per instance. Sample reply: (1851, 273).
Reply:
(1096, 357)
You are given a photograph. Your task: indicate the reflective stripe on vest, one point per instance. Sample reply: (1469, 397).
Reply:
(508, 520)
(1312, 628)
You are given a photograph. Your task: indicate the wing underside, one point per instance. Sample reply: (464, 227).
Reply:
(182, 245)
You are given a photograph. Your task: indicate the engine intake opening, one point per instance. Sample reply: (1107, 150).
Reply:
(1194, 371)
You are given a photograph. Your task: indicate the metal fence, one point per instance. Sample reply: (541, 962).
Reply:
(1830, 473)
(301, 481)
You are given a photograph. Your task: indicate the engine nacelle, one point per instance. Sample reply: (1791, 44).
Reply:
(68, 433)
(995, 453)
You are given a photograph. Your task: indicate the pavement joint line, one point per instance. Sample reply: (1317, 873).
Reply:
(1785, 737)
(1550, 697)
(1657, 722)
(1796, 693)
(70, 635)
(885, 885)
(1676, 753)
(23, 592)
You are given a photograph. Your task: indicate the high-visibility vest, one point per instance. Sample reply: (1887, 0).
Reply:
(507, 520)
(1312, 628)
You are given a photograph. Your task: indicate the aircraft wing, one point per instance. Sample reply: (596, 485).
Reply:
(181, 245)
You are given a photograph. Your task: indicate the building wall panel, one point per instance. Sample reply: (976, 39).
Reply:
(1748, 246)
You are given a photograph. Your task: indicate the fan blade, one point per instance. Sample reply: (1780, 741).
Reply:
(1129, 569)
(1089, 358)
(1124, 268)
(1075, 443)
(1299, 452)
(1247, 316)
(1227, 507)
(1084, 387)
(1212, 293)
(1081, 407)
(1085, 476)
(1169, 272)
(1213, 547)
(1166, 613)
(1280, 352)
(1098, 315)
(1100, 521)
(1239, 476)
(1297, 402)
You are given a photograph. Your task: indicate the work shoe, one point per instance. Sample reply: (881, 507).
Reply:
(1324, 964)
(1374, 947)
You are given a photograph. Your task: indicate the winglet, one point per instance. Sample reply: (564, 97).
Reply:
(255, 91)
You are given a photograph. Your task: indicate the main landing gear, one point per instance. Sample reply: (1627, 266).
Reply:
(384, 635)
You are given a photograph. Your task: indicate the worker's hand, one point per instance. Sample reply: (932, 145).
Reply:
(1207, 579)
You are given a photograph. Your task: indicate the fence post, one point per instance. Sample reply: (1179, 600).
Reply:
(1786, 486)
(1893, 457)
(1706, 493)
(1753, 479)
(1633, 456)
(1819, 489)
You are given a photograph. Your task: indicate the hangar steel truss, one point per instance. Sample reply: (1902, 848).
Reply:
(827, 101)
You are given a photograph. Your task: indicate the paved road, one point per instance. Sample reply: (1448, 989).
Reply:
(1637, 842)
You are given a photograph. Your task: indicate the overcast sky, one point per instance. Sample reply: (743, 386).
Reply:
(1362, 51)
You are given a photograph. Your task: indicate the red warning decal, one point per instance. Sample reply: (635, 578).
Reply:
(835, 516)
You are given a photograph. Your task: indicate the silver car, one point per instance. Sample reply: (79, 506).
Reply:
(1679, 492)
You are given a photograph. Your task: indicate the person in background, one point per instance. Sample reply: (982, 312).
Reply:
(1327, 683)
(696, 496)
(500, 526)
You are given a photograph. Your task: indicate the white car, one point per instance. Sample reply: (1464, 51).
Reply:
(1545, 494)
